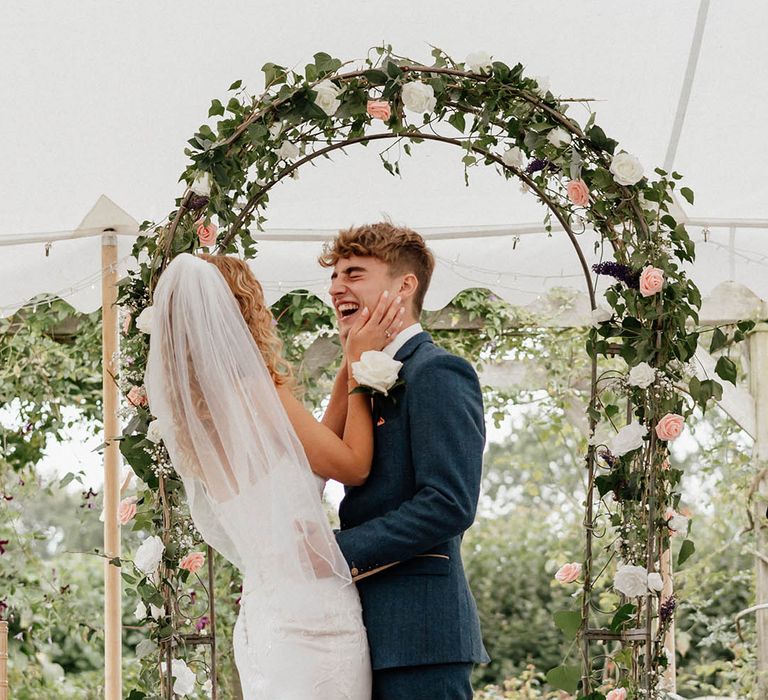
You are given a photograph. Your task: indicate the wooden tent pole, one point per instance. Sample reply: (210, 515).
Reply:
(112, 584)
(758, 375)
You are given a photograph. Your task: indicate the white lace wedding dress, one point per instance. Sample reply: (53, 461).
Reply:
(299, 633)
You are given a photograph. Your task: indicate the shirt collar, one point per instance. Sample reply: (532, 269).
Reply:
(402, 338)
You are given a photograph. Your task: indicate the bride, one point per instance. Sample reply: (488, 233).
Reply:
(254, 462)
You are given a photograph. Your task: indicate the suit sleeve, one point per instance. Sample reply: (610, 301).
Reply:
(447, 435)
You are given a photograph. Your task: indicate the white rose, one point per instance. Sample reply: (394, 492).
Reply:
(679, 524)
(600, 315)
(327, 97)
(626, 169)
(630, 580)
(149, 554)
(288, 150)
(275, 129)
(559, 137)
(629, 438)
(513, 157)
(479, 62)
(377, 370)
(153, 431)
(654, 582)
(418, 97)
(207, 687)
(144, 320)
(144, 648)
(141, 611)
(201, 185)
(184, 677)
(156, 612)
(641, 375)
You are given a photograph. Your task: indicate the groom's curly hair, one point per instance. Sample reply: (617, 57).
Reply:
(401, 248)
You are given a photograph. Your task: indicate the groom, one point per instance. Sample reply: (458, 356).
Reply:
(401, 531)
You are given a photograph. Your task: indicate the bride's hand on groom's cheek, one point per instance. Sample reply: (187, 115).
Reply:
(374, 331)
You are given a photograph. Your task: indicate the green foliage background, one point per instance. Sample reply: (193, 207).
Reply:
(530, 515)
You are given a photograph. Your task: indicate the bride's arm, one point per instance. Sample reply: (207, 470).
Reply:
(346, 458)
(335, 416)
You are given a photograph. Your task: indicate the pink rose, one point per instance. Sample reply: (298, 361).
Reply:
(206, 234)
(568, 573)
(192, 562)
(617, 694)
(651, 281)
(126, 510)
(670, 426)
(669, 513)
(137, 396)
(665, 464)
(127, 323)
(379, 109)
(578, 192)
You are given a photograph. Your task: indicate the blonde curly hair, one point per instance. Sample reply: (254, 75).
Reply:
(257, 315)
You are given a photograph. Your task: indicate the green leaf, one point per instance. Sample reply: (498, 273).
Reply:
(217, 109)
(457, 120)
(726, 369)
(569, 621)
(565, 677)
(686, 550)
(597, 136)
(719, 340)
(687, 192)
(393, 70)
(236, 85)
(622, 616)
(376, 77)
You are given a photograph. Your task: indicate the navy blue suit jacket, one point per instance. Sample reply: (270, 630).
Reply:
(419, 499)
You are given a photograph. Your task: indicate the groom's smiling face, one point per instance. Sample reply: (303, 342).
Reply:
(357, 282)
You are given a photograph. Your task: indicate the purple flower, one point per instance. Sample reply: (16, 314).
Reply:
(667, 609)
(197, 201)
(539, 164)
(2, 545)
(623, 273)
(201, 623)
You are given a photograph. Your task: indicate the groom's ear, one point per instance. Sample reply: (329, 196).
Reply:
(408, 285)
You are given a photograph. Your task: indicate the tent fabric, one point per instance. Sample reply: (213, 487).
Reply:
(109, 98)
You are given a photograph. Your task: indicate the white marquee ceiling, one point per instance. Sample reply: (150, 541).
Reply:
(103, 96)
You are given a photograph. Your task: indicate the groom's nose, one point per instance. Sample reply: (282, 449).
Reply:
(337, 287)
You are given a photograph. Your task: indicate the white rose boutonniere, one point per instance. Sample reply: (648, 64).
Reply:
(376, 373)
(418, 97)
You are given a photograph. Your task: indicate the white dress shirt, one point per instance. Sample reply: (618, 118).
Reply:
(402, 338)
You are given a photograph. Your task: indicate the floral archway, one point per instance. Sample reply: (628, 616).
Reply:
(641, 390)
